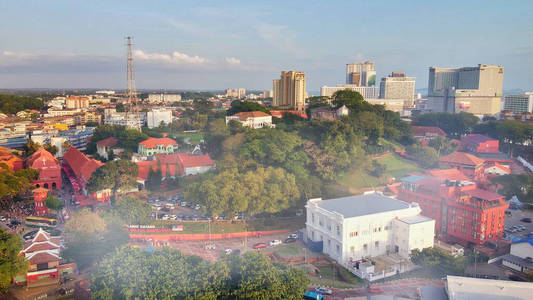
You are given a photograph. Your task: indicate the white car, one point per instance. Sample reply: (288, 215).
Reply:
(323, 290)
(228, 251)
(165, 217)
(275, 242)
(293, 236)
(3, 219)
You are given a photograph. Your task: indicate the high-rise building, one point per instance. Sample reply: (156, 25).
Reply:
(517, 104)
(156, 116)
(289, 91)
(361, 74)
(398, 86)
(169, 98)
(477, 90)
(236, 93)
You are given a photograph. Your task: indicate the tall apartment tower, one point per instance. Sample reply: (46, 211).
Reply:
(518, 104)
(289, 91)
(477, 90)
(361, 74)
(398, 86)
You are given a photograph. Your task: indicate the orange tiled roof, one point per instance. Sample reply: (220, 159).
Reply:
(41, 158)
(450, 174)
(153, 142)
(12, 161)
(243, 116)
(462, 158)
(82, 166)
(425, 130)
(109, 142)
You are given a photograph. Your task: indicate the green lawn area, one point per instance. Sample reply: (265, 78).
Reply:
(397, 167)
(295, 250)
(330, 278)
(194, 137)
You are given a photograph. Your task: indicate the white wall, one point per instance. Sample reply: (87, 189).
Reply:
(522, 250)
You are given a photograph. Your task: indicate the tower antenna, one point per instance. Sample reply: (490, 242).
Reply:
(131, 120)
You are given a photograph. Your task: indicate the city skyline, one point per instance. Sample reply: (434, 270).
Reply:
(240, 44)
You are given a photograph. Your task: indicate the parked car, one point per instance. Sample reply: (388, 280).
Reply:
(210, 247)
(322, 290)
(290, 240)
(228, 251)
(526, 220)
(260, 246)
(375, 290)
(3, 219)
(312, 296)
(275, 242)
(293, 235)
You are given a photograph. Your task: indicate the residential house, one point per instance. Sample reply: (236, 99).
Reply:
(49, 169)
(103, 147)
(252, 119)
(152, 146)
(478, 143)
(468, 164)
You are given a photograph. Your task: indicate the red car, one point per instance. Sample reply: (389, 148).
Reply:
(375, 290)
(260, 245)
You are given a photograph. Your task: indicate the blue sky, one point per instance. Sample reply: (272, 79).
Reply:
(223, 44)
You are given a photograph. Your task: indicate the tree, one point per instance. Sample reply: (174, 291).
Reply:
(13, 184)
(238, 106)
(436, 258)
(442, 145)
(454, 125)
(154, 179)
(12, 104)
(120, 107)
(203, 106)
(132, 210)
(519, 185)
(30, 147)
(50, 148)
(53, 203)
(85, 224)
(131, 273)
(377, 169)
(117, 175)
(426, 156)
(11, 264)
(353, 100)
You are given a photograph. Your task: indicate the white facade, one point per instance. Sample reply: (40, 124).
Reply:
(517, 104)
(365, 91)
(368, 225)
(253, 120)
(169, 98)
(398, 86)
(156, 116)
(236, 93)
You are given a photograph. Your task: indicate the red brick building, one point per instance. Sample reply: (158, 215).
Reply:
(468, 164)
(478, 143)
(49, 169)
(39, 201)
(12, 161)
(463, 213)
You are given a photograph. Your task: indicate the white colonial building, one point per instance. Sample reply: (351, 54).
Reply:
(369, 225)
(252, 119)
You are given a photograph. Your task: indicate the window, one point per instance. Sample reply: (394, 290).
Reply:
(365, 247)
(312, 235)
(376, 244)
(329, 243)
(313, 218)
(353, 234)
(338, 230)
(352, 249)
(338, 249)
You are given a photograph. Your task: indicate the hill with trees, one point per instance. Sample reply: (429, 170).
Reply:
(12, 104)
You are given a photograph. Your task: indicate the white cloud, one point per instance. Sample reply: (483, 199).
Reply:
(233, 61)
(176, 57)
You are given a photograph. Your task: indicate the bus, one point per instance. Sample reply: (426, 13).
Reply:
(41, 222)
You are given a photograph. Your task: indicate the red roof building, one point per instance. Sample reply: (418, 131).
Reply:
(12, 161)
(463, 213)
(49, 169)
(103, 146)
(152, 146)
(282, 113)
(468, 164)
(427, 132)
(42, 252)
(478, 143)
(182, 164)
(79, 168)
(449, 174)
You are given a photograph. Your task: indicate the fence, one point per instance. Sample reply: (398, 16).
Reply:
(201, 236)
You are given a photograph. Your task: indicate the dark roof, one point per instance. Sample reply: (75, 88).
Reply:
(361, 205)
(476, 138)
(498, 156)
(461, 158)
(109, 142)
(427, 130)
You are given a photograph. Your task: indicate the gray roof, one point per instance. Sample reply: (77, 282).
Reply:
(412, 178)
(360, 205)
(415, 219)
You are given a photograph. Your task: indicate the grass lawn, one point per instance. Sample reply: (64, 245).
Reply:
(295, 250)
(330, 278)
(194, 137)
(396, 167)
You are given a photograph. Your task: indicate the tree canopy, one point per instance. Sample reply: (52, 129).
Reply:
(12, 104)
(13, 184)
(53, 203)
(519, 185)
(115, 175)
(454, 125)
(128, 139)
(11, 263)
(238, 106)
(167, 274)
(509, 132)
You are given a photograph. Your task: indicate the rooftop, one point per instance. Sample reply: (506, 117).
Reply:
(450, 174)
(361, 205)
(483, 194)
(427, 130)
(476, 138)
(250, 114)
(109, 142)
(153, 142)
(461, 158)
(466, 288)
(493, 156)
(415, 219)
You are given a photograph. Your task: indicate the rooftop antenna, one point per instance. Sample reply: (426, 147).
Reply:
(131, 92)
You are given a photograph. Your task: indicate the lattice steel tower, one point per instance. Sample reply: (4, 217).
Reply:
(132, 113)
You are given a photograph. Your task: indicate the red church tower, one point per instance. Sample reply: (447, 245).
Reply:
(39, 198)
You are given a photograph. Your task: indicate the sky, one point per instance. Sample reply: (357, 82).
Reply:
(209, 45)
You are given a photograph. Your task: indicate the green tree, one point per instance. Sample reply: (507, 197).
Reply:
(120, 107)
(12, 104)
(53, 203)
(377, 169)
(117, 175)
(425, 156)
(435, 258)
(85, 224)
(11, 264)
(203, 106)
(519, 185)
(13, 184)
(442, 145)
(30, 147)
(153, 182)
(50, 148)
(132, 210)
(454, 125)
(353, 100)
(238, 106)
